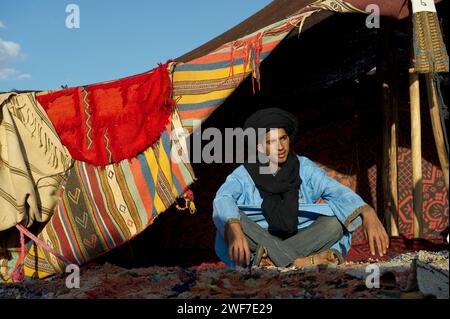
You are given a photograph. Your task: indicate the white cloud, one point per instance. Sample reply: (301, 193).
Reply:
(2, 26)
(7, 73)
(13, 74)
(24, 76)
(9, 52)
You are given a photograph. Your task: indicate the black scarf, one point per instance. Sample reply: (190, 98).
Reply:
(280, 195)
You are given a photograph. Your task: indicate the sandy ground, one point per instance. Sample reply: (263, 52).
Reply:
(398, 279)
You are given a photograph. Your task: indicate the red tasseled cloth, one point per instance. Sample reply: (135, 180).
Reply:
(108, 122)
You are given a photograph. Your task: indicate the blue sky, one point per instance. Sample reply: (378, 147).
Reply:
(115, 38)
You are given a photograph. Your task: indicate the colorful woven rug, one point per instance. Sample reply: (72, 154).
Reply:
(102, 208)
(108, 122)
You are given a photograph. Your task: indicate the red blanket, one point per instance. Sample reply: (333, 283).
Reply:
(108, 122)
(398, 245)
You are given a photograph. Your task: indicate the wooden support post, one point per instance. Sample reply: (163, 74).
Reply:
(416, 150)
(393, 158)
(389, 102)
(386, 157)
(437, 125)
(387, 201)
(385, 49)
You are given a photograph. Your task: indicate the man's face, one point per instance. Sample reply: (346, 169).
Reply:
(276, 146)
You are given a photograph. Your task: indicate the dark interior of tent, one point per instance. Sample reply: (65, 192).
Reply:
(327, 76)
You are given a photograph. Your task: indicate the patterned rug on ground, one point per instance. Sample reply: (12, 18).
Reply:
(398, 278)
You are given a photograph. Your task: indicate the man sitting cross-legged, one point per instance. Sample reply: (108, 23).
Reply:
(273, 217)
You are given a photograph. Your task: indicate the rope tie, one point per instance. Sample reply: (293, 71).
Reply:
(18, 274)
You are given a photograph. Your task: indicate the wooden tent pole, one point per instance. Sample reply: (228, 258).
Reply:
(386, 157)
(437, 125)
(390, 114)
(383, 69)
(393, 144)
(393, 158)
(416, 149)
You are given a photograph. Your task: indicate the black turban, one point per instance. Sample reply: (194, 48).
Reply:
(273, 118)
(279, 192)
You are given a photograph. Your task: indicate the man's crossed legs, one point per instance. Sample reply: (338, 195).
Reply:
(314, 240)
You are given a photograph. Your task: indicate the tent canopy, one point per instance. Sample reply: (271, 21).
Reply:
(281, 9)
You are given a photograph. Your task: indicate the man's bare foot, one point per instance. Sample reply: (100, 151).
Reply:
(265, 260)
(324, 258)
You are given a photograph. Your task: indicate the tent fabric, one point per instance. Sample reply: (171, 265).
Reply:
(338, 6)
(202, 85)
(397, 9)
(435, 205)
(108, 122)
(32, 162)
(102, 208)
(280, 9)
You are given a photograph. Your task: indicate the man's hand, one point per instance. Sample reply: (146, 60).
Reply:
(375, 232)
(238, 249)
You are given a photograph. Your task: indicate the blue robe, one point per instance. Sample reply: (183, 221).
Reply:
(240, 193)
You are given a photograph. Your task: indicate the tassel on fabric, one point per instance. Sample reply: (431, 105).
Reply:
(251, 48)
(35, 126)
(189, 204)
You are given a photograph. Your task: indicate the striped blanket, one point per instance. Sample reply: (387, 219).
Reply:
(102, 208)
